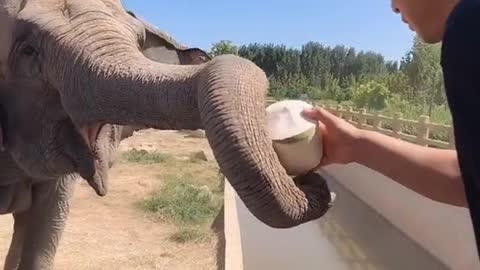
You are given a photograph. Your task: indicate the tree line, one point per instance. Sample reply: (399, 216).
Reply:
(412, 85)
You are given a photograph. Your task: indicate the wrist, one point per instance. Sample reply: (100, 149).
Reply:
(360, 139)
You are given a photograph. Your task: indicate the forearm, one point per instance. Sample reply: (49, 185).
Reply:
(434, 173)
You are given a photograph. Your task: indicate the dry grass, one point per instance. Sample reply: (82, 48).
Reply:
(189, 195)
(191, 234)
(145, 157)
(113, 233)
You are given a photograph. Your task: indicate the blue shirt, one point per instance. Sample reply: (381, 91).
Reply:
(461, 68)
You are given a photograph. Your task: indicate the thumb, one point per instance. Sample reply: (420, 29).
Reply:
(321, 115)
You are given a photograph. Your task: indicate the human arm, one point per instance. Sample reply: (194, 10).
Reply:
(433, 173)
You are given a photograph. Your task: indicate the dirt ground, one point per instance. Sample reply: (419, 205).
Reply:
(110, 233)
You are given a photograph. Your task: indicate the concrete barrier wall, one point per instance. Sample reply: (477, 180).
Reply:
(445, 231)
(233, 240)
(374, 224)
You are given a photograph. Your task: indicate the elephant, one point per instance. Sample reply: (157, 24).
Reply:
(77, 76)
(25, 196)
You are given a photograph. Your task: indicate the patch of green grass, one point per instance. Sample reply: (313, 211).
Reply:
(145, 157)
(183, 203)
(190, 197)
(190, 193)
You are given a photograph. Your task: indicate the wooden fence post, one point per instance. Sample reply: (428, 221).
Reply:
(423, 131)
(340, 112)
(349, 114)
(397, 124)
(362, 118)
(377, 122)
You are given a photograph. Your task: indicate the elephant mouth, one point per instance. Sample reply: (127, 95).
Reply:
(90, 134)
(95, 175)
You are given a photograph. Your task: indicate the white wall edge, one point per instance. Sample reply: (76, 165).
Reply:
(444, 231)
(233, 240)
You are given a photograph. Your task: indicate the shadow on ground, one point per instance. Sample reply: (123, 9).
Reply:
(218, 227)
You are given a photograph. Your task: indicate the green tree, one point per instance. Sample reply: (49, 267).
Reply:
(331, 88)
(372, 95)
(392, 66)
(223, 47)
(397, 83)
(422, 67)
(324, 72)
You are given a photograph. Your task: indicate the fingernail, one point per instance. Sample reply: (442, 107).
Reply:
(308, 110)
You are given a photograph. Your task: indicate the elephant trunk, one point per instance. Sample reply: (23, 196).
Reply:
(225, 97)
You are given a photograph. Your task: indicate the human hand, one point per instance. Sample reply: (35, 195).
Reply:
(339, 137)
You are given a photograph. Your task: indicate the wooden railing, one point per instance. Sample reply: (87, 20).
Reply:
(420, 131)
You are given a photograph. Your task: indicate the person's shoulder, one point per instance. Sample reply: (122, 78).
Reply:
(462, 33)
(464, 19)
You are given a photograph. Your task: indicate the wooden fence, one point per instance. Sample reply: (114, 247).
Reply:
(420, 131)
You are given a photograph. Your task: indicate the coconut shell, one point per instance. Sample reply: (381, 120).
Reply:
(295, 139)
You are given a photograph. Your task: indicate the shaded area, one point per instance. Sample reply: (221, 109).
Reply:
(366, 240)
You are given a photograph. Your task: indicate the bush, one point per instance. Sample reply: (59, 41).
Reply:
(370, 95)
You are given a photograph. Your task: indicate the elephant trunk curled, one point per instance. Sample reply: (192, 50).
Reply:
(225, 96)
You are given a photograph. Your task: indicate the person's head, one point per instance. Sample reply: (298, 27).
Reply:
(426, 17)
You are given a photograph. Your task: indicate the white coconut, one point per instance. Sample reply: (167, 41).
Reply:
(296, 139)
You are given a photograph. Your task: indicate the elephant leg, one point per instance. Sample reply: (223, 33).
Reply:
(47, 218)
(20, 226)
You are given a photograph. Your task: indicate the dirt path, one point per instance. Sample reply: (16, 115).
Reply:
(110, 233)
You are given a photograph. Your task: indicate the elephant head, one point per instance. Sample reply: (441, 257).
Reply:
(86, 65)
(31, 113)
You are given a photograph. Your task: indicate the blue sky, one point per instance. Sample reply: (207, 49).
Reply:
(364, 24)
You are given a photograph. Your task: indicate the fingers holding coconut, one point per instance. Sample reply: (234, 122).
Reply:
(297, 140)
(318, 114)
(339, 136)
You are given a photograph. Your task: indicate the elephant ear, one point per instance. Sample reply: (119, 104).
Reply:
(161, 47)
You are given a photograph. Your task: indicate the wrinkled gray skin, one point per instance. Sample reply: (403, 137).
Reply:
(73, 73)
(30, 111)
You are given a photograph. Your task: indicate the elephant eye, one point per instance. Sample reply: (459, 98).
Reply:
(28, 50)
(131, 14)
